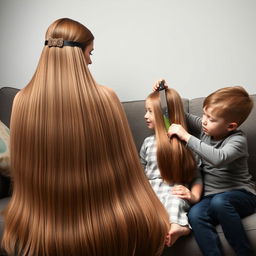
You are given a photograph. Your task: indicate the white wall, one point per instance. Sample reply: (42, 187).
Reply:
(197, 45)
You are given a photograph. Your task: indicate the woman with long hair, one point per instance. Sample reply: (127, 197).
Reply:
(78, 186)
(169, 165)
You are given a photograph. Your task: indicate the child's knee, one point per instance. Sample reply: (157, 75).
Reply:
(193, 214)
(218, 204)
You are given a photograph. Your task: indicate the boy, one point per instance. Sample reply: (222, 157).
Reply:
(229, 193)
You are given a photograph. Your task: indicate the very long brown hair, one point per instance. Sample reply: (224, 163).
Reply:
(175, 161)
(78, 186)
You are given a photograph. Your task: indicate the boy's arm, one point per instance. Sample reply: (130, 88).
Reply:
(194, 124)
(179, 131)
(235, 147)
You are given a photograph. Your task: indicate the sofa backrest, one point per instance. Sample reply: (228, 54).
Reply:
(135, 111)
(7, 95)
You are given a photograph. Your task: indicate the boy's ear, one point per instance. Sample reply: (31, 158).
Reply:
(232, 126)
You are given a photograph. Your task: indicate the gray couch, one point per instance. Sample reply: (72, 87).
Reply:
(135, 112)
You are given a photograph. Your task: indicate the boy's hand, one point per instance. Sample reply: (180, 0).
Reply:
(178, 130)
(157, 83)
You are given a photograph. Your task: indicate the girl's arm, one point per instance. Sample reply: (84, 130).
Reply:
(178, 130)
(193, 195)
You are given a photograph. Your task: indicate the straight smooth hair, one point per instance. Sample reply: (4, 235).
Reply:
(175, 161)
(78, 186)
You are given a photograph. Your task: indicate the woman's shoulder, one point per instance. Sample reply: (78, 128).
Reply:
(106, 88)
(108, 91)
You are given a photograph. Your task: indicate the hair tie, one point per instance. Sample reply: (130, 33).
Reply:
(59, 42)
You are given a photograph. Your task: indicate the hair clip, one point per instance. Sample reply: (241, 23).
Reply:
(55, 42)
(164, 105)
(59, 42)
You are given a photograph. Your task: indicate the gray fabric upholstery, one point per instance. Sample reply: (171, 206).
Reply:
(6, 97)
(135, 111)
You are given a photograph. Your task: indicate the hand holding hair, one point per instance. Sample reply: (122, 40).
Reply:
(157, 84)
(179, 131)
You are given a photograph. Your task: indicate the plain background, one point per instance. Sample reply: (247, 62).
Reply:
(198, 46)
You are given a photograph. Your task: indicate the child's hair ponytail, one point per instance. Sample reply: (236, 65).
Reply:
(175, 161)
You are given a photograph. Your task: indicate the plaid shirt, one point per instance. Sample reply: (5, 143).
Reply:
(176, 207)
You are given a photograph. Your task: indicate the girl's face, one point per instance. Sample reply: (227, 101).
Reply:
(88, 52)
(149, 116)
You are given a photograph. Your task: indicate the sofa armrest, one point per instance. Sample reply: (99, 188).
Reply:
(7, 95)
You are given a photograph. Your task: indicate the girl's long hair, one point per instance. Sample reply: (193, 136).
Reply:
(175, 161)
(78, 186)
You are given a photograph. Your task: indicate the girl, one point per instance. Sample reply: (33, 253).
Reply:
(169, 166)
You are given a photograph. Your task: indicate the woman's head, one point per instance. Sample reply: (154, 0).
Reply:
(175, 161)
(71, 30)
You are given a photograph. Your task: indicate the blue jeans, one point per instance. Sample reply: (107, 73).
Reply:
(226, 209)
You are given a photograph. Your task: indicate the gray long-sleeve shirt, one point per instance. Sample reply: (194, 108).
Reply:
(224, 162)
